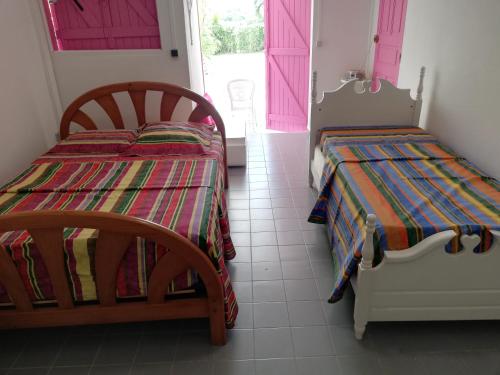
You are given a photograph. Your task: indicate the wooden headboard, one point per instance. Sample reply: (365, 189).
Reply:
(346, 106)
(137, 91)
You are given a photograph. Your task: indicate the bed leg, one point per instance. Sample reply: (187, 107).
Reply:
(363, 292)
(217, 322)
(359, 330)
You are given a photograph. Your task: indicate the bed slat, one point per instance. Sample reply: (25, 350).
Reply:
(108, 103)
(84, 120)
(110, 249)
(10, 279)
(168, 104)
(50, 244)
(138, 98)
(168, 267)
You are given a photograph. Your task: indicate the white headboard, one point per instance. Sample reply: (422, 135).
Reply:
(346, 106)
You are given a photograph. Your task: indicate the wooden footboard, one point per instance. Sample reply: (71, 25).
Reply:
(115, 234)
(425, 282)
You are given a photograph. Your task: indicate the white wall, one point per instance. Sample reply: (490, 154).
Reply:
(26, 106)
(459, 43)
(79, 71)
(343, 28)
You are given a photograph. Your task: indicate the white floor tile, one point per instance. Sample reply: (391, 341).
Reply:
(273, 343)
(268, 291)
(265, 254)
(312, 341)
(266, 271)
(270, 315)
(297, 269)
(306, 313)
(301, 290)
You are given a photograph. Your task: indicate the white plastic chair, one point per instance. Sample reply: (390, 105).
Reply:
(241, 92)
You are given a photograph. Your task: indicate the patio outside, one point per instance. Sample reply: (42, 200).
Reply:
(232, 42)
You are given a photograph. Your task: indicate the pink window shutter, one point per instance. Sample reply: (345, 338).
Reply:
(132, 24)
(104, 25)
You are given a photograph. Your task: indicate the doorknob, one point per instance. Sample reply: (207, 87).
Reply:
(376, 38)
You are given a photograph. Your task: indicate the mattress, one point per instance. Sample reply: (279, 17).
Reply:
(184, 194)
(413, 184)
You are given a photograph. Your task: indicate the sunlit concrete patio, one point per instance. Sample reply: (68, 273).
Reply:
(219, 70)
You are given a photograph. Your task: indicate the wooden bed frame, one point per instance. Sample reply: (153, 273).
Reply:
(423, 282)
(115, 233)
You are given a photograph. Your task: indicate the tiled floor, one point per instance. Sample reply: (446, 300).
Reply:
(282, 276)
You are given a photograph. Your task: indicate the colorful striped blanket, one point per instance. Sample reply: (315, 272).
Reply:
(186, 196)
(415, 186)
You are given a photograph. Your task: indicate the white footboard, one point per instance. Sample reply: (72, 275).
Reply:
(425, 282)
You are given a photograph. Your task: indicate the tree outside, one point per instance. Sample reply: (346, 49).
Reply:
(231, 26)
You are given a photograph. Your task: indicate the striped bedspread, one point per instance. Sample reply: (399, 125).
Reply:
(184, 195)
(415, 185)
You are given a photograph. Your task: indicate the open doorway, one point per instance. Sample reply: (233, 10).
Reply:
(263, 45)
(232, 44)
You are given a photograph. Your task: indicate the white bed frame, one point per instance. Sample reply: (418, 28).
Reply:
(423, 282)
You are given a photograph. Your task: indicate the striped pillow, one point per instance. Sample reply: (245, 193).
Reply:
(96, 142)
(173, 138)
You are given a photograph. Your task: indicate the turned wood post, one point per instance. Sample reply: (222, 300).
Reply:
(362, 304)
(417, 107)
(420, 87)
(314, 86)
(367, 251)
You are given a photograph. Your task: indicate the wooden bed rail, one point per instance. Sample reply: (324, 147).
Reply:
(137, 91)
(115, 234)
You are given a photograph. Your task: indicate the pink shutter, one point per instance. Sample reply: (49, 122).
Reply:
(104, 24)
(76, 29)
(132, 24)
(287, 30)
(390, 31)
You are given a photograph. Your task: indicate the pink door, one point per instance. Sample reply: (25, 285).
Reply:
(389, 39)
(287, 35)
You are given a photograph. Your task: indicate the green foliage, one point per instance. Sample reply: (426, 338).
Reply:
(225, 37)
(209, 44)
(251, 38)
(228, 36)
